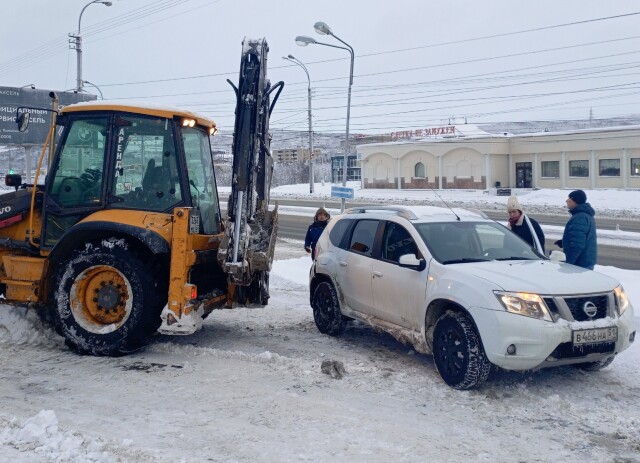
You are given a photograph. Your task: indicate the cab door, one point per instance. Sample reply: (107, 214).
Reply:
(399, 293)
(75, 186)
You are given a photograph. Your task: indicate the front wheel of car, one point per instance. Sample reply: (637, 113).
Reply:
(458, 352)
(595, 366)
(326, 309)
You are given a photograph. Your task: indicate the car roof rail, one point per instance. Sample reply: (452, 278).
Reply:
(399, 210)
(479, 212)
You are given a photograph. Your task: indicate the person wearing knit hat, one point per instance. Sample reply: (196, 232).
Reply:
(524, 226)
(578, 197)
(579, 241)
(314, 231)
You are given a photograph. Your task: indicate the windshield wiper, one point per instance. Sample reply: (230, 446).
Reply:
(465, 260)
(514, 258)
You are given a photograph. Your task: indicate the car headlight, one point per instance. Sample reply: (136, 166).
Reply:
(622, 300)
(529, 305)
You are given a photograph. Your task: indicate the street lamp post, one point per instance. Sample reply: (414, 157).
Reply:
(78, 44)
(323, 29)
(295, 60)
(96, 87)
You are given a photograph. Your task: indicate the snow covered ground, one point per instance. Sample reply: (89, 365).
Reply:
(249, 387)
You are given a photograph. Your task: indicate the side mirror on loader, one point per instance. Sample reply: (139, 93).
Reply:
(14, 180)
(23, 121)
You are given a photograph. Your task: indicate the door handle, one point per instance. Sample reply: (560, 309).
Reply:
(377, 274)
(343, 263)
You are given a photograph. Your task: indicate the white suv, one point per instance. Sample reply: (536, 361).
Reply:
(456, 284)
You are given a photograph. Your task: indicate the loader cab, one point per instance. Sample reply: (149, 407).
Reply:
(115, 158)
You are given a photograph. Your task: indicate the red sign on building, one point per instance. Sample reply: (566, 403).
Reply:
(428, 132)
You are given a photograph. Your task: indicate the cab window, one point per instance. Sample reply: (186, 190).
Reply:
(202, 182)
(77, 180)
(146, 173)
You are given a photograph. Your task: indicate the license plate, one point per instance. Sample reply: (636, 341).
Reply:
(595, 335)
(194, 223)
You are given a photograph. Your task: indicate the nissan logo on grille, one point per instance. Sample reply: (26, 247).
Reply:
(590, 309)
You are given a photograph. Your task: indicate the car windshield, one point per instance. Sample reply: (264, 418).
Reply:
(460, 242)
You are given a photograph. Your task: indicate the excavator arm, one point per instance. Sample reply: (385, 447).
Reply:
(246, 251)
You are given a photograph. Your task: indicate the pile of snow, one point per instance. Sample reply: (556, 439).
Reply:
(40, 434)
(22, 325)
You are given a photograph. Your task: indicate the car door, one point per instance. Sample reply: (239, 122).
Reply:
(399, 293)
(354, 266)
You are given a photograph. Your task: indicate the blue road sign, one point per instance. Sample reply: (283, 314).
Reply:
(341, 192)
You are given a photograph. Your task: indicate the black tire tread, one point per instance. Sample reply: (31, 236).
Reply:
(326, 310)
(136, 332)
(596, 366)
(476, 366)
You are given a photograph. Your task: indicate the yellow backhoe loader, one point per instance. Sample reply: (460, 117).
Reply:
(125, 238)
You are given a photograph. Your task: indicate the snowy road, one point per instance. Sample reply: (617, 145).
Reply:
(249, 387)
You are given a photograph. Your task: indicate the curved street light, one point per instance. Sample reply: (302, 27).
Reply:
(295, 60)
(96, 87)
(78, 43)
(302, 40)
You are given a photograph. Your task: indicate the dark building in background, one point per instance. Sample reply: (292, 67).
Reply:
(353, 168)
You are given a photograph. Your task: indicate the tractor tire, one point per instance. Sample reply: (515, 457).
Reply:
(107, 299)
(256, 294)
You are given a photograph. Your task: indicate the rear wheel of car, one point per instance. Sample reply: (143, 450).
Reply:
(595, 366)
(326, 309)
(458, 352)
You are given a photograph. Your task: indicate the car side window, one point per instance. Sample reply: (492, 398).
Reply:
(364, 234)
(337, 233)
(396, 242)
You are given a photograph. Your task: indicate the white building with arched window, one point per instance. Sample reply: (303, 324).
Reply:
(465, 157)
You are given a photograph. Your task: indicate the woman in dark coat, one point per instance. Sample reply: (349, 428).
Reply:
(524, 226)
(314, 231)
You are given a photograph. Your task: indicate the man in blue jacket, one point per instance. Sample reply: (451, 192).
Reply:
(314, 231)
(579, 241)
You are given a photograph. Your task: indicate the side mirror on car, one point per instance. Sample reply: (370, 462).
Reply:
(557, 256)
(410, 261)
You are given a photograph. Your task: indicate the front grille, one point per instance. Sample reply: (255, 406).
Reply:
(576, 306)
(568, 350)
(551, 303)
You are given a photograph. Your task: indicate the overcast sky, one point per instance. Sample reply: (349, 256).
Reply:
(418, 63)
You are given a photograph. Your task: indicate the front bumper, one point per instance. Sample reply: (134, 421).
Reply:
(536, 340)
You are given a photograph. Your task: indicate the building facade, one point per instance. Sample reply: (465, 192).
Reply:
(353, 168)
(294, 154)
(592, 158)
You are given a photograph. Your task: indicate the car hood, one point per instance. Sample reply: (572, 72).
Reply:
(540, 276)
